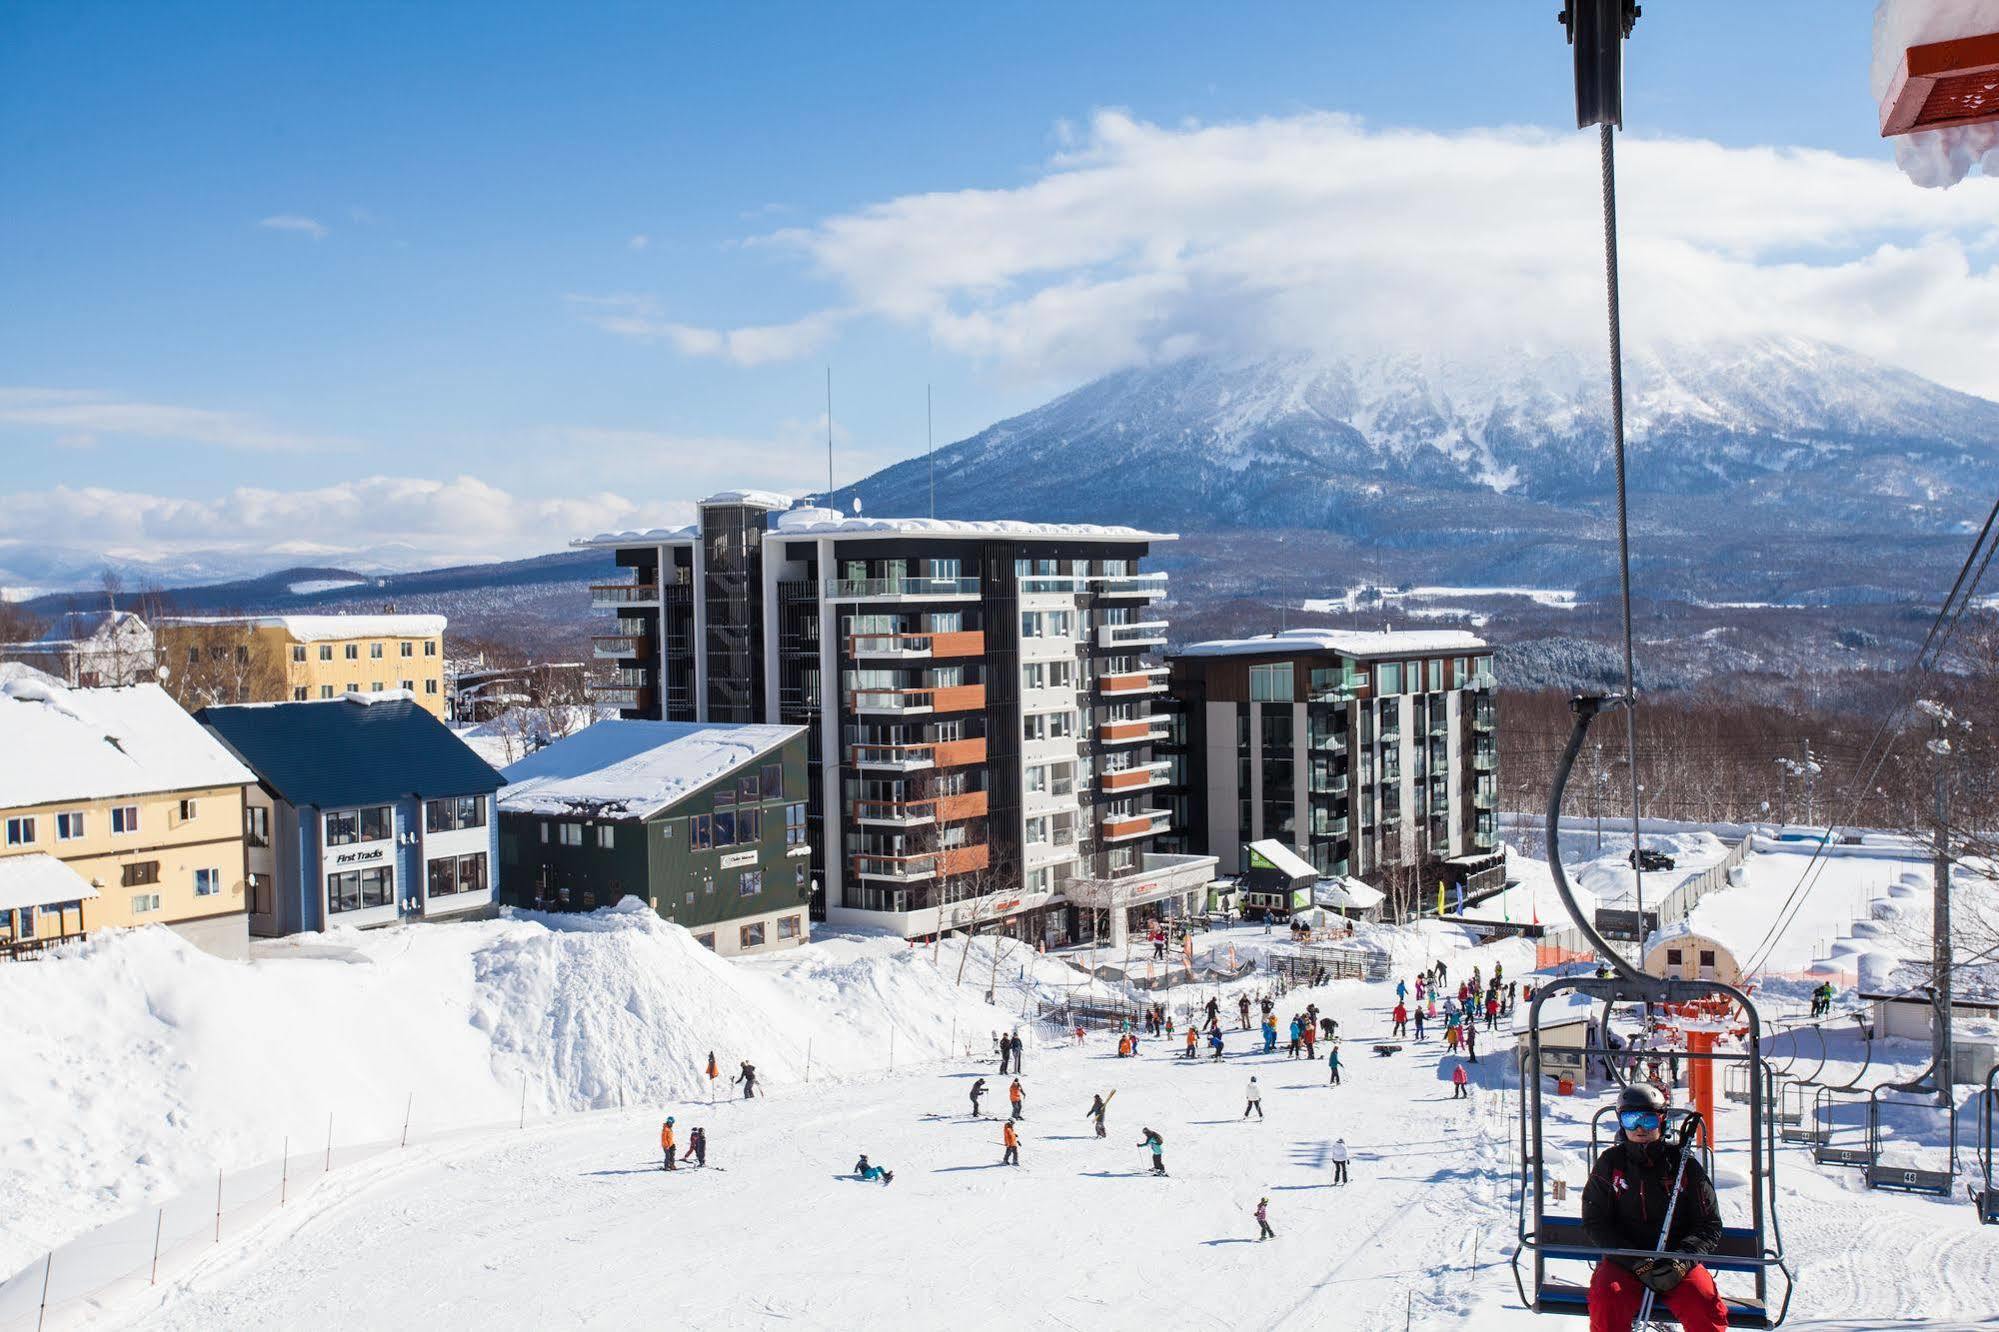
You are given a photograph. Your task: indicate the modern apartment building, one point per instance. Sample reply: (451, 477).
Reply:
(221, 659)
(119, 810)
(1371, 754)
(977, 698)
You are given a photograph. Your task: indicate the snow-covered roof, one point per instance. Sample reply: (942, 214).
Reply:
(1284, 858)
(1348, 893)
(89, 744)
(756, 499)
(39, 879)
(1347, 642)
(829, 522)
(319, 628)
(633, 769)
(77, 628)
(1683, 928)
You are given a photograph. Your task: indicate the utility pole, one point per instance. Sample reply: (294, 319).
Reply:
(1940, 1042)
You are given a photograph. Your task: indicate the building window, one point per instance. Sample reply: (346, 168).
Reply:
(408, 648)
(794, 825)
(748, 789)
(298, 654)
(354, 688)
(374, 686)
(326, 691)
(707, 940)
(707, 885)
(788, 926)
(326, 652)
(458, 874)
(544, 834)
(257, 825)
(1436, 674)
(124, 818)
(353, 651)
(773, 781)
(1388, 678)
(358, 890)
(725, 827)
(186, 811)
(451, 814)
(430, 648)
(374, 651)
(798, 877)
(570, 834)
(1271, 683)
(20, 832)
(139, 874)
(700, 832)
(408, 686)
(1672, 957)
(751, 936)
(194, 656)
(430, 686)
(606, 834)
(377, 825)
(472, 873)
(750, 883)
(145, 902)
(1707, 957)
(207, 882)
(300, 693)
(69, 826)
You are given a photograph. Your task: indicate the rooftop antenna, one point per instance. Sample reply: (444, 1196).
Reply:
(829, 436)
(930, 448)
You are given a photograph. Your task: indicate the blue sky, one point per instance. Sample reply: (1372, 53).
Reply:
(372, 245)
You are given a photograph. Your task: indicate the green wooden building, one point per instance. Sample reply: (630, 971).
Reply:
(702, 821)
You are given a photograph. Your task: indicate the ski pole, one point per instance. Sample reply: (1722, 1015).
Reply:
(1672, 1203)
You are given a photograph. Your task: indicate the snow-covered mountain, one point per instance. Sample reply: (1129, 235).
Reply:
(1815, 438)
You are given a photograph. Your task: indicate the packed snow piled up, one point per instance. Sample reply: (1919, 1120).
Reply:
(142, 1064)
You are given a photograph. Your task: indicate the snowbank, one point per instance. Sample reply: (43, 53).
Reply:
(140, 1065)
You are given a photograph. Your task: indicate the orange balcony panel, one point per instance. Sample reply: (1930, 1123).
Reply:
(1124, 684)
(958, 698)
(1126, 730)
(970, 805)
(958, 753)
(963, 859)
(958, 643)
(1125, 780)
(1127, 827)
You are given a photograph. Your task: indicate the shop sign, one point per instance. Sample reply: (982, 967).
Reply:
(735, 858)
(359, 857)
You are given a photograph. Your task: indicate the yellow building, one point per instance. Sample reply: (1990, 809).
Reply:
(129, 813)
(214, 659)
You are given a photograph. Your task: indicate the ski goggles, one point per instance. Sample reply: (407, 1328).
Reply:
(1640, 1119)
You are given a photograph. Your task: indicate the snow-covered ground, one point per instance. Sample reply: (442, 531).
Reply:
(156, 1052)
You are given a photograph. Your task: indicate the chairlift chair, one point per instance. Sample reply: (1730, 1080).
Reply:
(1826, 1102)
(1912, 1179)
(1755, 1250)
(1986, 1199)
(1793, 1126)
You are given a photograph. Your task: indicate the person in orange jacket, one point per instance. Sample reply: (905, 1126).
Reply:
(1012, 1142)
(1015, 1095)
(666, 1142)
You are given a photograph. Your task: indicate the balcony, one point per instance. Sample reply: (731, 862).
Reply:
(609, 596)
(1440, 730)
(1329, 827)
(1341, 689)
(1144, 633)
(1480, 680)
(1485, 797)
(915, 702)
(902, 589)
(1330, 742)
(918, 755)
(1133, 732)
(1391, 735)
(614, 647)
(920, 813)
(1485, 761)
(1146, 585)
(1151, 680)
(1482, 719)
(1337, 787)
(918, 647)
(633, 698)
(923, 864)
(1141, 777)
(1144, 823)
(1049, 584)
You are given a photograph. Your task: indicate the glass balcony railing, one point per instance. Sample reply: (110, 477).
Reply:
(888, 589)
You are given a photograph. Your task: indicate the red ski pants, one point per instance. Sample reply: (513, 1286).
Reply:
(1615, 1294)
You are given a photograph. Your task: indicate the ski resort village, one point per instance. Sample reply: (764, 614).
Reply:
(1278, 667)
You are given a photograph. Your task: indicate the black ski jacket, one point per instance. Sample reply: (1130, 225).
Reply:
(1624, 1203)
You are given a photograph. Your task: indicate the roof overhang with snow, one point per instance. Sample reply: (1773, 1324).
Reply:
(1283, 859)
(38, 880)
(634, 769)
(1348, 643)
(1348, 894)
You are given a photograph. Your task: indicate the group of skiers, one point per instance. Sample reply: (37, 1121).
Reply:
(1822, 999)
(1010, 1050)
(697, 1146)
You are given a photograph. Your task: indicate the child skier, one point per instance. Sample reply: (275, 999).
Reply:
(1255, 1099)
(1158, 1146)
(697, 1146)
(1215, 1043)
(865, 1171)
(1340, 1156)
(1263, 1220)
(1269, 1034)
(1192, 1037)
(1459, 1080)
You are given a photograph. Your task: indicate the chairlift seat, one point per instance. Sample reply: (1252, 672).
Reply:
(1840, 1156)
(1736, 1253)
(1987, 1203)
(1939, 1182)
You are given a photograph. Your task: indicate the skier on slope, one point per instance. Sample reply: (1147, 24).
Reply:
(1096, 1112)
(1215, 1043)
(1459, 1080)
(1242, 1007)
(1333, 1063)
(1011, 1141)
(864, 1170)
(978, 1090)
(1402, 992)
(1019, 1054)
(1193, 1036)
(1339, 1157)
(697, 1147)
(1015, 1094)
(1624, 1206)
(666, 1142)
(748, 1077)
(1419, 1024)
(1269, 1034)
(1254, 1099)
(1401, 1016)
(1158, 1146)
(1263, 1220)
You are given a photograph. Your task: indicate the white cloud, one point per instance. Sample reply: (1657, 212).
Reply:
(82, 416)
(294, 222)
(1140, 242)
(639, 242)
(403, 521)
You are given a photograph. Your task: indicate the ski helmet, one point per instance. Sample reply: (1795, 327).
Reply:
(1641, 1096)
(669, 1119)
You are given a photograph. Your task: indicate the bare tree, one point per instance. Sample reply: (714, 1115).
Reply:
(220, 663)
